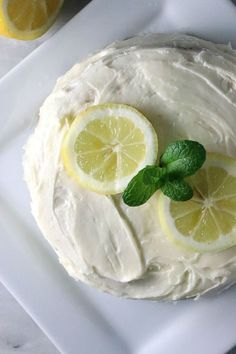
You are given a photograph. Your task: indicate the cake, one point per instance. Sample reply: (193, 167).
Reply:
(186, 87)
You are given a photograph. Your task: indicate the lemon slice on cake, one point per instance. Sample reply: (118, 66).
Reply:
(27, 19)
(106, 145)
(207, 222)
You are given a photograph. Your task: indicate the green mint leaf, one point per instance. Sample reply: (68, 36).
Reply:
(143, 186)
(154, 174)
(177, 189)
(183, 158)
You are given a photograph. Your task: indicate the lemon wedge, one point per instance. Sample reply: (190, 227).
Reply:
(207, 222)
(27, 19)
(106, 145)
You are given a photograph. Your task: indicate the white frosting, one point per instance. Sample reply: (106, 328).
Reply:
(187, 88)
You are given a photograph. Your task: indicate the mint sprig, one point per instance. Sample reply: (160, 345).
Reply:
(181, 158)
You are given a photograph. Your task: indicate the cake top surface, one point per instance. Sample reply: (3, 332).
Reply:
(186, 87)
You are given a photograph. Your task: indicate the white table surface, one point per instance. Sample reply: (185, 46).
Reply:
(18, 332)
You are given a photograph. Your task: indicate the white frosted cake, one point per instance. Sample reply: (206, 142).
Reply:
(186, 88)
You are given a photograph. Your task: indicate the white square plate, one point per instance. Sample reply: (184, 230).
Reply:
(79, 319)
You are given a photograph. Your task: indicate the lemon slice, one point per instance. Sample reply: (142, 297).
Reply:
(107, 145)
(207, 222)
(27, 19)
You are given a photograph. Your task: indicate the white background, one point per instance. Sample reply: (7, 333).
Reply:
(204, 327)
